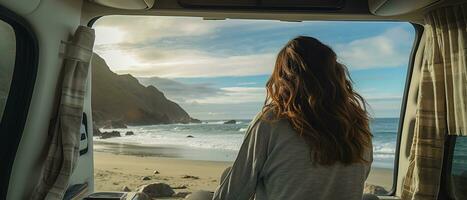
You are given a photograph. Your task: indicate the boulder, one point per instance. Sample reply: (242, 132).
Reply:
(190, 177)
(126, 189)
(129, 133)
(106, 135)
(230, 122)
(196, 121)
(374, 189)
(146, 178)
(95, 130)
(190, 136)
(155, 190)
(156, 172)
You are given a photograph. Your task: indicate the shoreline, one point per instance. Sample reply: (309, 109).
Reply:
(166, 151)
(118, 165)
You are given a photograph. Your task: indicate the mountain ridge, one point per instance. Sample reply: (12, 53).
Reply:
(123, 98)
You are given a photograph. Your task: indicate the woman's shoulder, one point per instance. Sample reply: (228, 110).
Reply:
(269, 120)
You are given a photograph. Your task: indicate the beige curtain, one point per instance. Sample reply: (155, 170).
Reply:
(442, 99)
(63, 150)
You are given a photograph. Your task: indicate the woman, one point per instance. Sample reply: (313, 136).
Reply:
(312, 139)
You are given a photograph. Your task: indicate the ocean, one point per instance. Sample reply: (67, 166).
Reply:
(216, 141)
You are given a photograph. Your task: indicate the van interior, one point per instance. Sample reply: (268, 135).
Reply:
(109, 99)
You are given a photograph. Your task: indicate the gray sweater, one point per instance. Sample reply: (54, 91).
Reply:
(274, 162)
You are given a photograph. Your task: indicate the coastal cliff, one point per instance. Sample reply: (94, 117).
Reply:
(122, 99)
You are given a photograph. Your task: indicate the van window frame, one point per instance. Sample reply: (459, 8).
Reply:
(418, 35)
(20, 93)
(418, 31)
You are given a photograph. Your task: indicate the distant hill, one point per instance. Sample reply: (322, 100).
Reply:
(122, 98)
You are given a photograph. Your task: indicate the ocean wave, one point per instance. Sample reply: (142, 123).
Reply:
(177, 136)
(384, 148)
(216, 122)
(214, 135)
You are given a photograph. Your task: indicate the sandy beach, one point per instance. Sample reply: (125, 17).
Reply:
(112, 172)
(127, 166)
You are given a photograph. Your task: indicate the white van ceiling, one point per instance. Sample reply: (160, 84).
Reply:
(274, 4)
(126, 4)
(398, 7)
(21, 7)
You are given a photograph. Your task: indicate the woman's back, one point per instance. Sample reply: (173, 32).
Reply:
(285, 170)
(312, 139)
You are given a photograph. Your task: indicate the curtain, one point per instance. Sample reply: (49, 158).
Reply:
(442, 99)
(64, 135)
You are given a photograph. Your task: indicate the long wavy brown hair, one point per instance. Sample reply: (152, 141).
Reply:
(313, 91)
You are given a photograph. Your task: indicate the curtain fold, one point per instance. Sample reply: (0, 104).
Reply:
(442, 99)
(64, 136)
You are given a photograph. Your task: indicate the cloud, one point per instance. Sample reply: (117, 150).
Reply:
(181, 92)
(137, 29)
(235, 95)
(382, 103)
(204, 101)
(160, 46)
(246, 83)
(147, 62)
(203, 93)
(147, 29)
(378, 51)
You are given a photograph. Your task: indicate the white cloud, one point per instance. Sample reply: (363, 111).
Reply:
(246, 83)
(382, 103)
(181, 92)
(144, 29)
(109, 35)
(147, 62)
(234, 95)
(125, 43)
(136, 29)
(376, 52)
(196, 93)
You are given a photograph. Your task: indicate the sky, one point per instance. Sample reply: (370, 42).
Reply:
(217, 69)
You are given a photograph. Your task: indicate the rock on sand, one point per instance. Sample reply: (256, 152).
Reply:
(95, 130)
(155, 190)
(230, 122)
(190, 176)
(106, 135)
(374, 189)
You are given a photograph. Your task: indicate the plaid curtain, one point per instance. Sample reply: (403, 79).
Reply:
(64, 136)
(442, 99)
